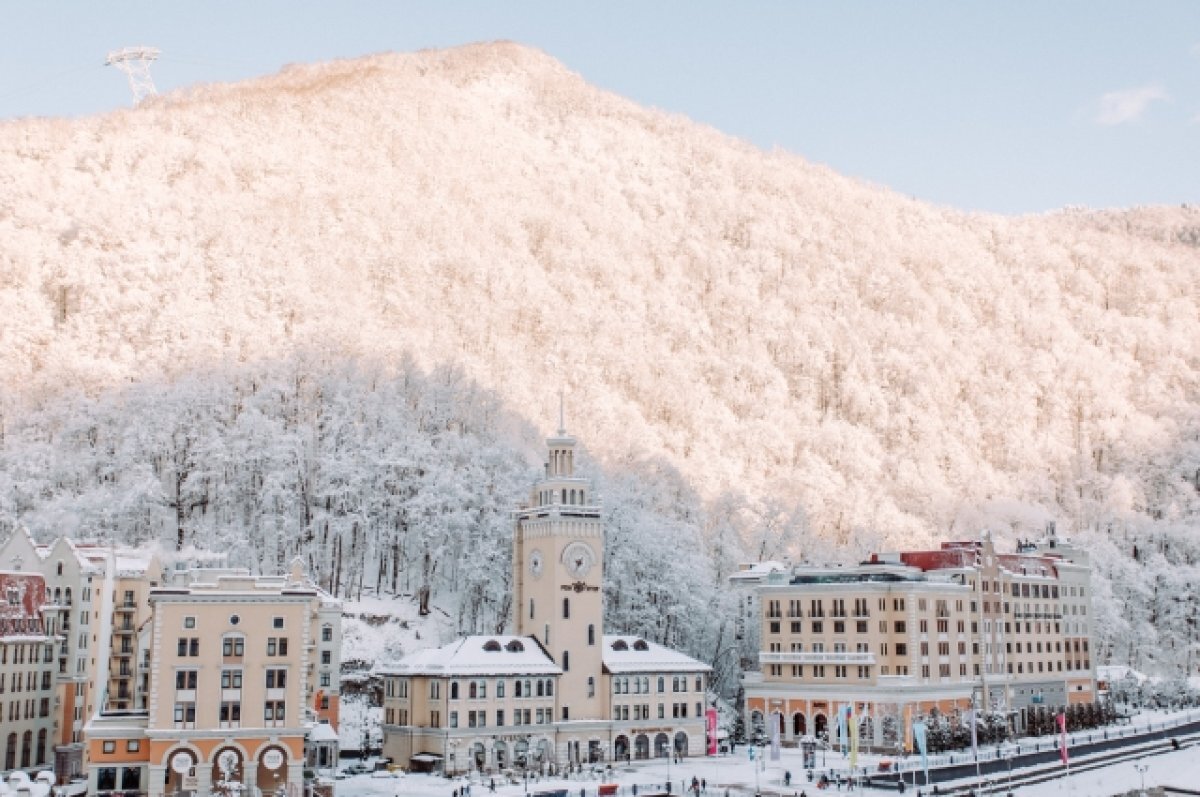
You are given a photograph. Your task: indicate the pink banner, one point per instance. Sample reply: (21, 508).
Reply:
(710, 723)
(1062, 744)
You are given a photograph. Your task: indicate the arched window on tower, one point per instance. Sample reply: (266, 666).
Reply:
(591, 634)
(566, 608)
(566, 660)
(454, 690)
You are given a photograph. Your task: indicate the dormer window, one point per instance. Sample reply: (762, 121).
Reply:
(640, 644)
(514, 646)
(491, 646)
(620, 644)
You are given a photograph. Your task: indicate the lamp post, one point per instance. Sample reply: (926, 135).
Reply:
(1141, 768)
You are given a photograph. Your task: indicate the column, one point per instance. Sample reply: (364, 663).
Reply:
(204, 778)
(157, 774)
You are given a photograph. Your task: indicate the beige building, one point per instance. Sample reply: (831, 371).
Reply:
(27, 673)
(231, 669)
(904, 634)
(559, 691)
(134, 646)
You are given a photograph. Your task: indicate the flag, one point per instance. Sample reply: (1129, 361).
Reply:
(853, 743)
(776, 721)
(710, 722)
(918, 730)
(1061, 719)
(841, 726)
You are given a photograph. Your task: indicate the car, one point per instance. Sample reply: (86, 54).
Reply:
(357, 768)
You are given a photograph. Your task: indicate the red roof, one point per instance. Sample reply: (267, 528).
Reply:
(28, 590)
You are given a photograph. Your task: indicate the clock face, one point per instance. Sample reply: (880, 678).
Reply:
(578, 559)
(536, 563)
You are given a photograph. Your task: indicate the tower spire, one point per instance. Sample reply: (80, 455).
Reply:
(562, 426)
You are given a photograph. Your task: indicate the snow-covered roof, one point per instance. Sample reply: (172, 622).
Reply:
(757, 571)
(633, 654)
(323, 732)
(479, 655)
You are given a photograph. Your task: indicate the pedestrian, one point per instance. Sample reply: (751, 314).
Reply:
(492, 785)
(456, 793)
(704, 785)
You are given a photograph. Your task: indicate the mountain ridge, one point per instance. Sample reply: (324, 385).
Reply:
(768, 326)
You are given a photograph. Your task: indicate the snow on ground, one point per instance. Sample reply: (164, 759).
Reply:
(738, 774)
(734, 772)
(355, 717)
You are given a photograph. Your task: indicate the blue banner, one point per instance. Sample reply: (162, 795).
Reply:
(918, 729)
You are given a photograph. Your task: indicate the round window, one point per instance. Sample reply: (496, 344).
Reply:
(234, 619)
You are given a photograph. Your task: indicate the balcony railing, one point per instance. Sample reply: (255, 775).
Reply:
(825, 657)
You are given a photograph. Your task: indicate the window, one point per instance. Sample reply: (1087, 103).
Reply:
(591, 634)
(326, 657)
(591, 686)
(185, 715)
(188, 646)
(274, 712)
(185, 679)
(110, 747)
(277, 622)
(233, 647)
(230, 714)
(566, 660)
(500, 688)
(231, 679)
(133, 745)
(189, 622)
(276, 678)
(327, 633)
(324, 679)
(566, 608)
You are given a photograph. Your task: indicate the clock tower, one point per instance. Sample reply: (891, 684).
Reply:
(558, 578)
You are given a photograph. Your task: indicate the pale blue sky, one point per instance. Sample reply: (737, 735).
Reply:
(1007, 106)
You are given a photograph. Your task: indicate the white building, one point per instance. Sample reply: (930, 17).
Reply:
(559, 691)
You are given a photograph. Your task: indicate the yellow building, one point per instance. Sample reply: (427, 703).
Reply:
(905, 634)
(559, 691)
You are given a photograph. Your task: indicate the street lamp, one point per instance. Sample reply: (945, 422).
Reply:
(1141, 768)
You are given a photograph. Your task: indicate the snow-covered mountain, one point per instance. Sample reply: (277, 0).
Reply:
(771, 330)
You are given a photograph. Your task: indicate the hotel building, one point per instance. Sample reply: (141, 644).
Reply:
(204, 677)
(904, 634)
(558, 691)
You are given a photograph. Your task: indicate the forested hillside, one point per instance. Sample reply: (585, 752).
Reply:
(330, 311)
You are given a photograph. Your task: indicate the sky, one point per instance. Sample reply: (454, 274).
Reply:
(1012, 107)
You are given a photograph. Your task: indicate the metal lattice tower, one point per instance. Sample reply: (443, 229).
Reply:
(135, 63)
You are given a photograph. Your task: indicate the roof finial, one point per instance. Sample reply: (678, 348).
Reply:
(562, 427)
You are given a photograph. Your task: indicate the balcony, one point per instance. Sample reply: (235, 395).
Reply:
(825, 657)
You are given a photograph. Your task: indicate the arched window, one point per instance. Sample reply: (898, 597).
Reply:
(566, 660)
(59, 567)
(472, 691)
(549, 687)
(454, 690)
(640, 644)
(591, 634)
(41, 747)
(620, 644)
(514, 646)
(541, 689)
(67, 594)
(491, 646)
(10, 752)
(26, 748)
(57, 596)
(566, 608)
(564, 495)
(531, 608)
